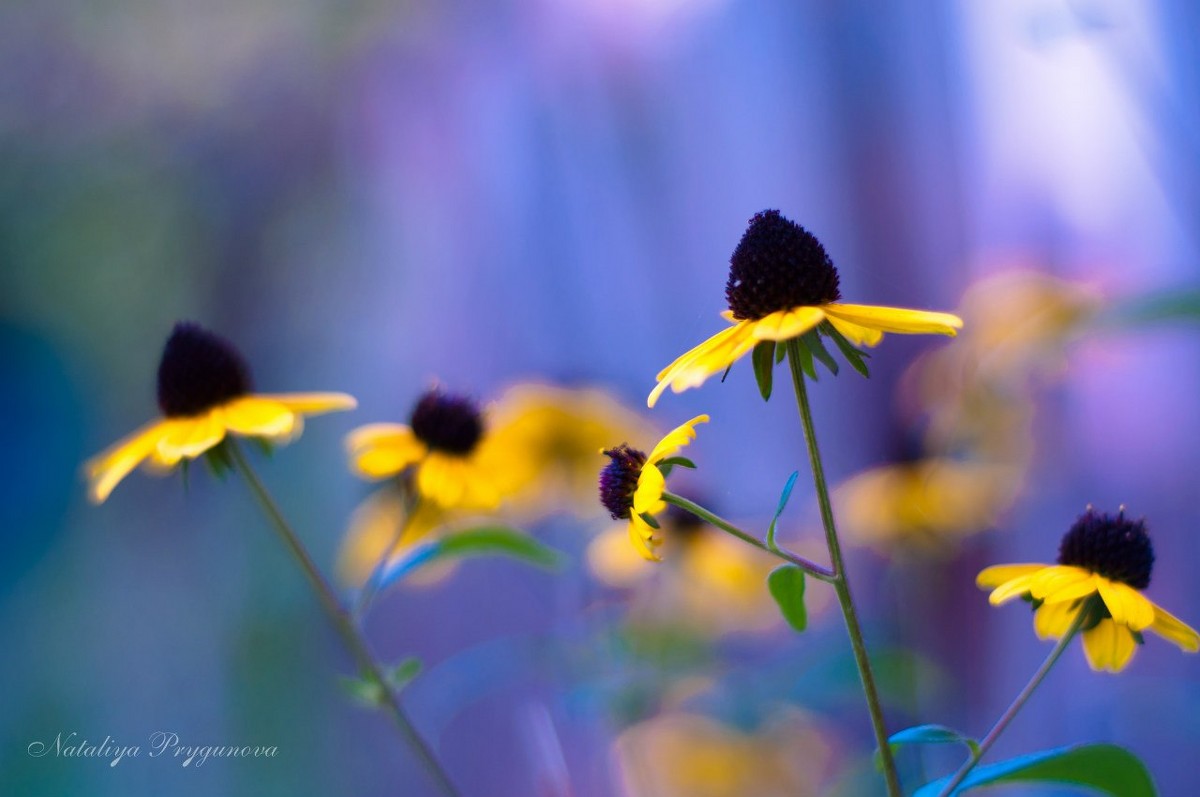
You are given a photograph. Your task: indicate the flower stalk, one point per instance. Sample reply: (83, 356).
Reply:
(370, 587)
(1021, 699)
(343, 622)
(839, 579)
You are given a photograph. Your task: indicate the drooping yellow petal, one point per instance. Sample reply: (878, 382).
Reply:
(641, 535)
(1062, 583)
(611, 560)
(1019, 583)
(105, 470)
(856, 333)
(312, 403)
(896, 319)
(1126, 605)
(259, 417)
(707, 345)
(1172, 629)
(786, 324)
(676, 439)
(455, 482)
(1109, 646)
(994, 576)
(1052, 620)
(649, 489)
(379, 450)
(711, 357)
(190, 437)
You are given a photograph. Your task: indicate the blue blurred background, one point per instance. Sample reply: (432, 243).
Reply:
(369, 196)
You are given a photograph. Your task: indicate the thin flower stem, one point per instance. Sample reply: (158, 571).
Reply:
(840, 582)
(812, 568)
(1010, 713)
(370, 587)
(350, 633)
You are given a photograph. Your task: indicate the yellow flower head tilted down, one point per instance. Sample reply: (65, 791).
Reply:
(456, 461)
(1101, 555)
(782, 284)
(631, 484)
(204, 394)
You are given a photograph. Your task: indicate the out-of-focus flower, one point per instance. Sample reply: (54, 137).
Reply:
(782, 284)
(558, 432)
(1101, 555)
(204, 394)
(688, 755)
(631, 484)
(927, 501)
(456, 463)
(382, 520)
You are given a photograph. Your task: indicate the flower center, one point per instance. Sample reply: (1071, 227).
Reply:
(619, 478)
(1115, 547)
(199, 371)
(778, 265)
(447, 423)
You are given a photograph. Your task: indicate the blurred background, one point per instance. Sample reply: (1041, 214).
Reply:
(371, 197)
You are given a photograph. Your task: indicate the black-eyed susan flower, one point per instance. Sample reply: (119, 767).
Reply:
(204, 394)
(782, 285)
(1101, 555)
(455, 462)
(631, 484)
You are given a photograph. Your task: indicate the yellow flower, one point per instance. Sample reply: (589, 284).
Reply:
(204, 394)
(1101, 555)
(782, 285)
(631, 484)
(374, 526)
(455, 461)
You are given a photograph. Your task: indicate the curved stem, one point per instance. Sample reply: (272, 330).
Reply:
(840, 582)
(343, 622)
(812, 568)
(1021, 699)
(370, 587)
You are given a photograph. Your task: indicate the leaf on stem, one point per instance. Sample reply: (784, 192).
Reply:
(783, 501)
(764, 367)
(1104, 767)
(786, 585)
(483, 541)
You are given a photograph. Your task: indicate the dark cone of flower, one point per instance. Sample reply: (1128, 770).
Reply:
(199, 371)
(778, 265)
(618, 480)
(447, 423)
(1115, 547)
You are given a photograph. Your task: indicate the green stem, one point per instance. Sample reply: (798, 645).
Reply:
(1010, 713)
(840, 581)
(812, 568)
(370, 587)
(350, 633)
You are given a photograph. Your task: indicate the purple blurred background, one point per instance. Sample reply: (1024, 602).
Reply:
(369, 196)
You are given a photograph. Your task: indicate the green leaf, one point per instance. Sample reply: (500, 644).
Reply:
(651, 521)
(482, 541)
(853, 355)
(1168, 305)
(403, 673)
(783, 501)
(764, 366)
(364, 691)
(812, 340)
(1104, 767)
(780, 353)
(682, 462)
(932, 734)
(802, 353)
(786, 585)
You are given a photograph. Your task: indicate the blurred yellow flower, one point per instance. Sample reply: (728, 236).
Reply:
(781, 285)
(382, 521)
(688, 755)
(1101, 555)
(204, 394)
(631, 484)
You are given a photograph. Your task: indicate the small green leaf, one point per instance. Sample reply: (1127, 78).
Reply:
(651, 521)
(364, 691)
(482, 541)
(682, 462)
(802, 353)
(933, 734)
(764, 367)
(403, 673)
(786, 585)
(783, 501)
(780, 353)
(853, 355)
(812, 340)
(1104, 767)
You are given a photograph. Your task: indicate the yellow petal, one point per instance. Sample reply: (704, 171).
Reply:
(379, 450)
(1172, 629)
(312, 403)
(258, 417)
(190, 437)
(896, 319)
(994, 576)
(649, 489)
(440, 479)
(105, 470)
(1126, 605)
(1019, 581)
(786, 324)
(1052, 620)
(1062, 583)
(676, 439)
(856, 333)
(640, 534)
(712, 356)
(1108, 646)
